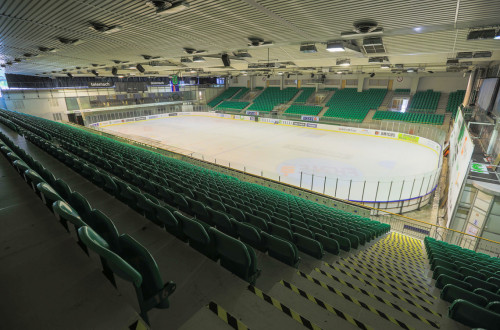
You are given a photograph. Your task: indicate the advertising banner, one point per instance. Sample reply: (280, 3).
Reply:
(407, 137)
(252, 113)
(310, 118)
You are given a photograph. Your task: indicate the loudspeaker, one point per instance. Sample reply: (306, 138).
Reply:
(140, 68)
(114, 71)
(225, 60)
(372, 75)
(95, 73)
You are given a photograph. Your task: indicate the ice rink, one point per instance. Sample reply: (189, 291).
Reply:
(348, 166)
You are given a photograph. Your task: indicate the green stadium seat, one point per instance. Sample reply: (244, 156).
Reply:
(477, 283)
(80, 204)
(329, 244)
(134, 264)
(344, 243)
(172, 225)
(452, 292)
(280, 231)
(257, 222)
(444, 279)
(491, 296)
(236, 256)
(48, 194)
(494, 306)
(472, 315)
(281, 249)
(198, 236)
(308, 245)
(443, 270)
(494, 280)
(302, 231)
(222, 222)
(250, 235)
(33, 178)
(466, 271)
(440, 262)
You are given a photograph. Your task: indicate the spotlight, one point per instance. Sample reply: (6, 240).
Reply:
(225, 60)
(430, 71)
(268, 76)
(140, 68)
(47, 49)
(312, 75)
(288, 75)
(69, 75)
(114, 71)
(95, 73)
(372, 74)
(68, 41)
(385, 66)
(497, 35)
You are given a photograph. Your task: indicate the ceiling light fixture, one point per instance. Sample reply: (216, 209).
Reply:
(308, 48)
(385, 66)
(481, 34)
(345, 62)
(198, 59)
(68, 41)
(335, 46)
(164, 7)
(497, 35)
(140, 68)
(103, 28)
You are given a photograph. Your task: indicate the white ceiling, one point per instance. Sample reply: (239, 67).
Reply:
(416, 33)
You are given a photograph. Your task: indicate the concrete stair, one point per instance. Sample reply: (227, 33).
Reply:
(443, 101)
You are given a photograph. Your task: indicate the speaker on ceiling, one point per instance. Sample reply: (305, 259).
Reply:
(225, 60)
(95, 73)
(114, 71)
(140, 68)
(372, 74)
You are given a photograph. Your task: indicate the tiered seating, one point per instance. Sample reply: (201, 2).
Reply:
(421, 118)
(120, 254)
(271, 97)
(231, 105)
(350, 105)
(330, 88)
(198, 205)
(241, 93)
(304, 96)
(470, 281)
(297, 110)
(424, 101)
(454, 101)
(401, 91)
(227, 94)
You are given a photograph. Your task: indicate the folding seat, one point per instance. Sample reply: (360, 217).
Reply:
(236, 256)
(236, 213)
(329, 244)
(494, 306)
(198, 236)
(146, 205)
(134, 264)
(279, 231)
(352, 239)
(443, 270)
(199, 210)
(109, 184)
(222, 222)
(32, 178)
(318, 230)
(444, 279)
(48, 194)
(472, 315)
(249, 234)
(181, 202)
(452, 292)
(246, 209)
(65, 213)
(257, 222)
(330, 229)
(344, 243)
(308, 245)
(466, 271)
(281, 217)
(263, 215)
(491, 296)
(477, 283)
(440, 262)
(302, 231)
(280, 222)
(494, 280)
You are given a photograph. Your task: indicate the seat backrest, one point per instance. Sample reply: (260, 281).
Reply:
(329, 244)
(193, 229)
(249, 234)
(440, 262)
(119, 266)
(452, 292)
(257, 221)
(282, 232)
(308, 245)
(472, 315)
(281, 249)
(140, 259)
(439, 270)
(221, 221)
(62, 188)
(491, 296)
(494, 306)
(466, 271)
(104, 227)
(79, 203)
(66, 213)
(477, 283)
(494, 280)
(444, 279)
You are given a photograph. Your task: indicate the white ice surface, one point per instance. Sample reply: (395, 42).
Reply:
(283, 152)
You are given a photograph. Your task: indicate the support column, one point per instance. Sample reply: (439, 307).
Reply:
(470, 86)
(361, 81)
(414, 84)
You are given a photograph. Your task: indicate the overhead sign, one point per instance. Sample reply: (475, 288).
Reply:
(479, 168)
(100, 84)
(175, 80)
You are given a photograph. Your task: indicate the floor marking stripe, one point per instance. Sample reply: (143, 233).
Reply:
(390, 266)
(285, 309)
(226, 317)
(326, 306)
(378, 280)
(386, 277)
(371, 295)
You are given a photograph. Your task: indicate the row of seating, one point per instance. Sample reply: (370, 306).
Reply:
(241, 93)
(305, 94)
(424, 101)
(455, 99)
(470, 281)
(350, 105)
(271, 97)
(402, 91)
(420, 118)
(227, 94)
(232, 105)
(297, 110)
(120, 254)
(197, 204)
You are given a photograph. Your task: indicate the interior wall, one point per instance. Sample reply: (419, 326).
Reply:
(446, 84)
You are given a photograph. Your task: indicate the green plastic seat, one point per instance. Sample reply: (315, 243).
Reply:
(494, 280)
(80, 204)
(235, 256)
(222, 222)
(466, 271)
(198, 236)
(477, 283)
(344, 243)
(20, 166)
(172, 225)
(48, 194)
(472, 315)
(62, 189)
(281, 249)
(443, 270)
(250, 234)
(494, 306)
(134, 264)
(279, 231)
(257, 222)
(302, 231)
(452, 292)
(491, 296)
(329, 244)
(353, 239)
(33, 178)
(236, 213)
(440, 262)
(444, 279)
(308, 245)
